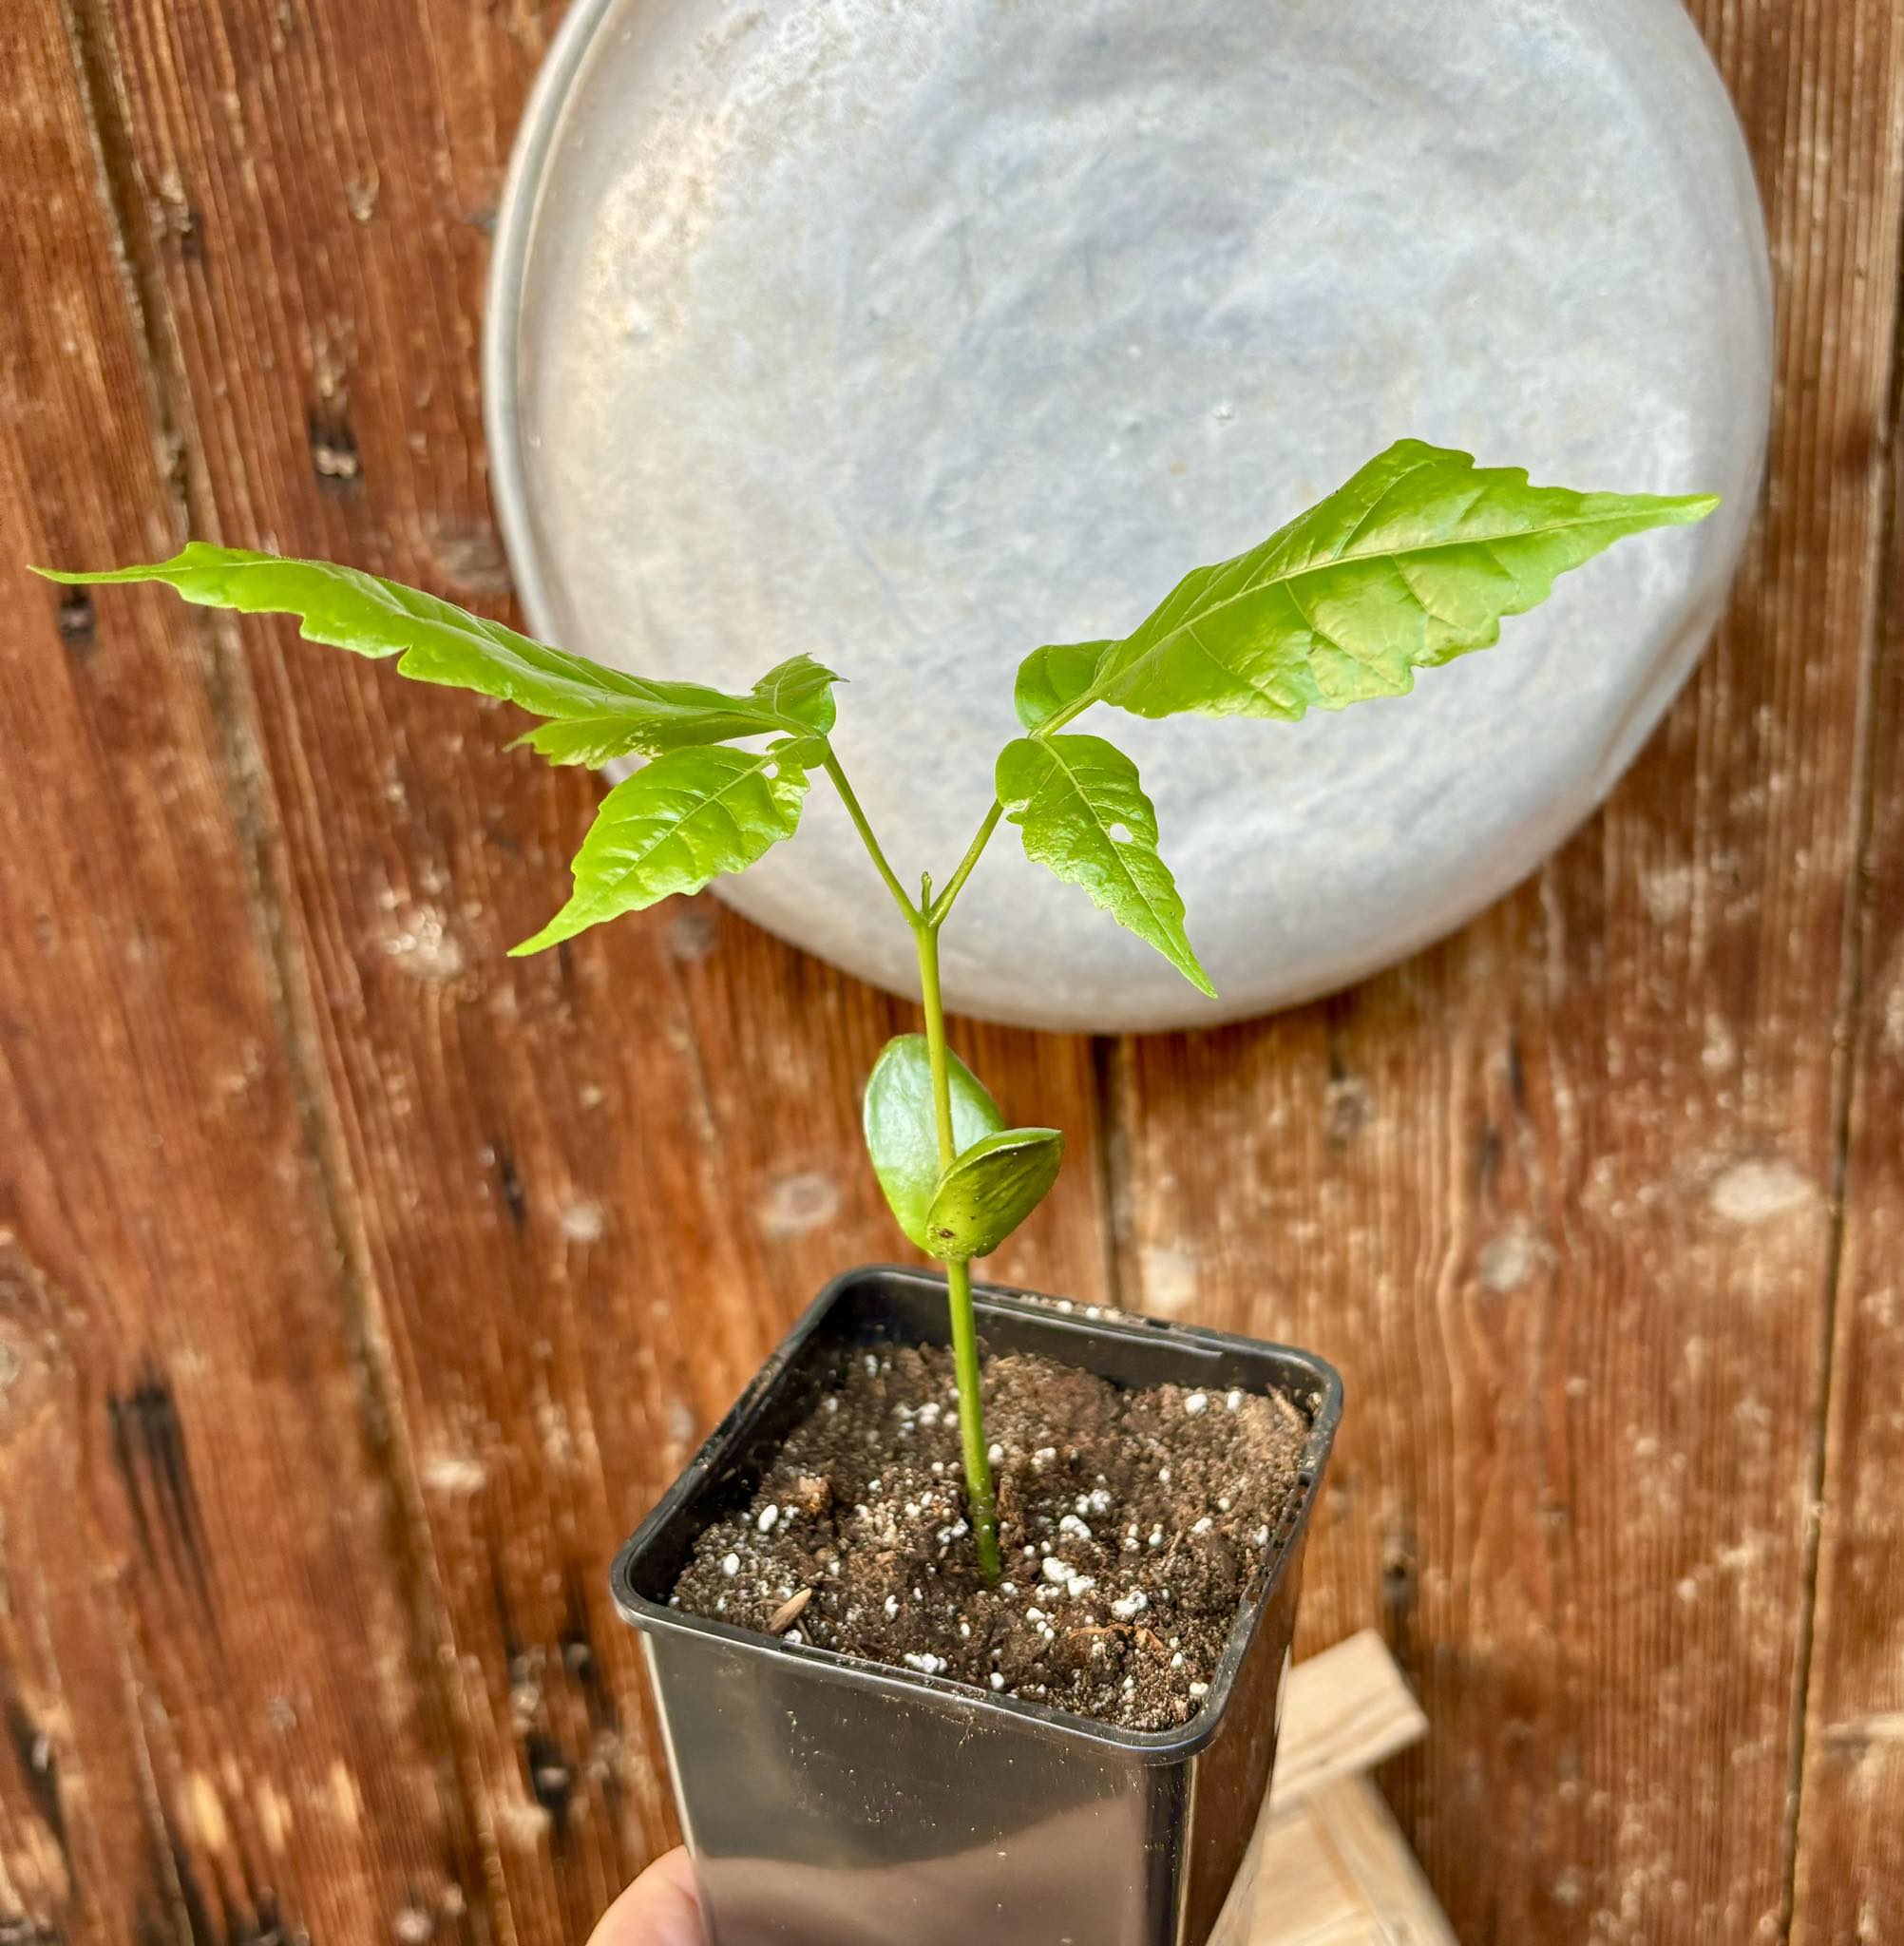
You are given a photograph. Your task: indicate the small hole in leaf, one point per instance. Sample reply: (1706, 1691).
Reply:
(1120, 835)
(772, 772)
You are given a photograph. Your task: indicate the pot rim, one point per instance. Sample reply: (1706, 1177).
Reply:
(549, 94)
(1085, 1322)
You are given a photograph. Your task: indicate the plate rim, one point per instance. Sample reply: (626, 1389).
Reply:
(502, 296)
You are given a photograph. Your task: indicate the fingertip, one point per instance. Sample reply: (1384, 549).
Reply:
(661, 1908)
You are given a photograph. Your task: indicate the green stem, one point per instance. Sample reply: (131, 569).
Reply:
(927, 936)
(935, 914)
(959, 1276)
(831, 765)
(925, 919)
(971, 1419)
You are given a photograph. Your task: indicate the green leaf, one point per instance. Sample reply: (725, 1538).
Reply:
(438, 642)
(800, 690)
(989, 1190)
(613, 714)
(600, 739)
(1413, 563)
(685, 818)
(1083, 813)
(903, 1133)
(1050, 679)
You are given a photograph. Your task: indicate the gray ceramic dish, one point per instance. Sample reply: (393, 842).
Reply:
(914, 338)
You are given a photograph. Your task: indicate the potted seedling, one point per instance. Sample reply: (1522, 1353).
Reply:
(969, 1622)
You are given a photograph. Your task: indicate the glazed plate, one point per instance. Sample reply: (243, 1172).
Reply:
(915, 336)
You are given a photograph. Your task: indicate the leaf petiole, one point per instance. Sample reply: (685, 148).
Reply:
(935, 916)
(937, 912)
(1068, 714)
(830, 764)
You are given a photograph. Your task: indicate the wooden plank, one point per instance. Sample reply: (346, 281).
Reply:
(1335, 1869)
(1306, 1894)
(590, 1190)
(1557, 1196)
(1337, 1872)
(213, 1726)
(1344, 1711)
(1850, 1867)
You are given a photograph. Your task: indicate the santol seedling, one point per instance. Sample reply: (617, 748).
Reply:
(1413, 563)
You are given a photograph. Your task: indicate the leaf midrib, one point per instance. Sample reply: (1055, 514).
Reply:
(479, 631)
(627, 696)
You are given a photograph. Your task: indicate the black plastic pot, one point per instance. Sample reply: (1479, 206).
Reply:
(829, 1802)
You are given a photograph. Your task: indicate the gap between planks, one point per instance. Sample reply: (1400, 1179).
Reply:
(1886, 612)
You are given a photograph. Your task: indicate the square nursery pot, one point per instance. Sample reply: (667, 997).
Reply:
(831, 1801)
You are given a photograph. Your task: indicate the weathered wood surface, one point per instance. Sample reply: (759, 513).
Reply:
(1850, 1882)
(359, 1287)
(208, 1650)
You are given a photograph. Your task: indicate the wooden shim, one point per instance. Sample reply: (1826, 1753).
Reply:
(1305, 1896)
(1337, 1871)
(1344, 1712)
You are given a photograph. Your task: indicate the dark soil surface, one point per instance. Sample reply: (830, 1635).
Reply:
(1129, 1523)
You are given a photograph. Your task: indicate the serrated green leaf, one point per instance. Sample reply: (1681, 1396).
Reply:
(1083, 814)
(989, 1190)
(674, 824)
(438, 642)
(602, 712)
(1051, 679)
(800, 690)
(1413, 563)
(903, 1133)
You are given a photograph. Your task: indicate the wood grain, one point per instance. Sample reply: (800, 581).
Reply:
(1337, 1872)
(1850, 1881)
(213, 1726)
(1559, 1196)
(358, 1287)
